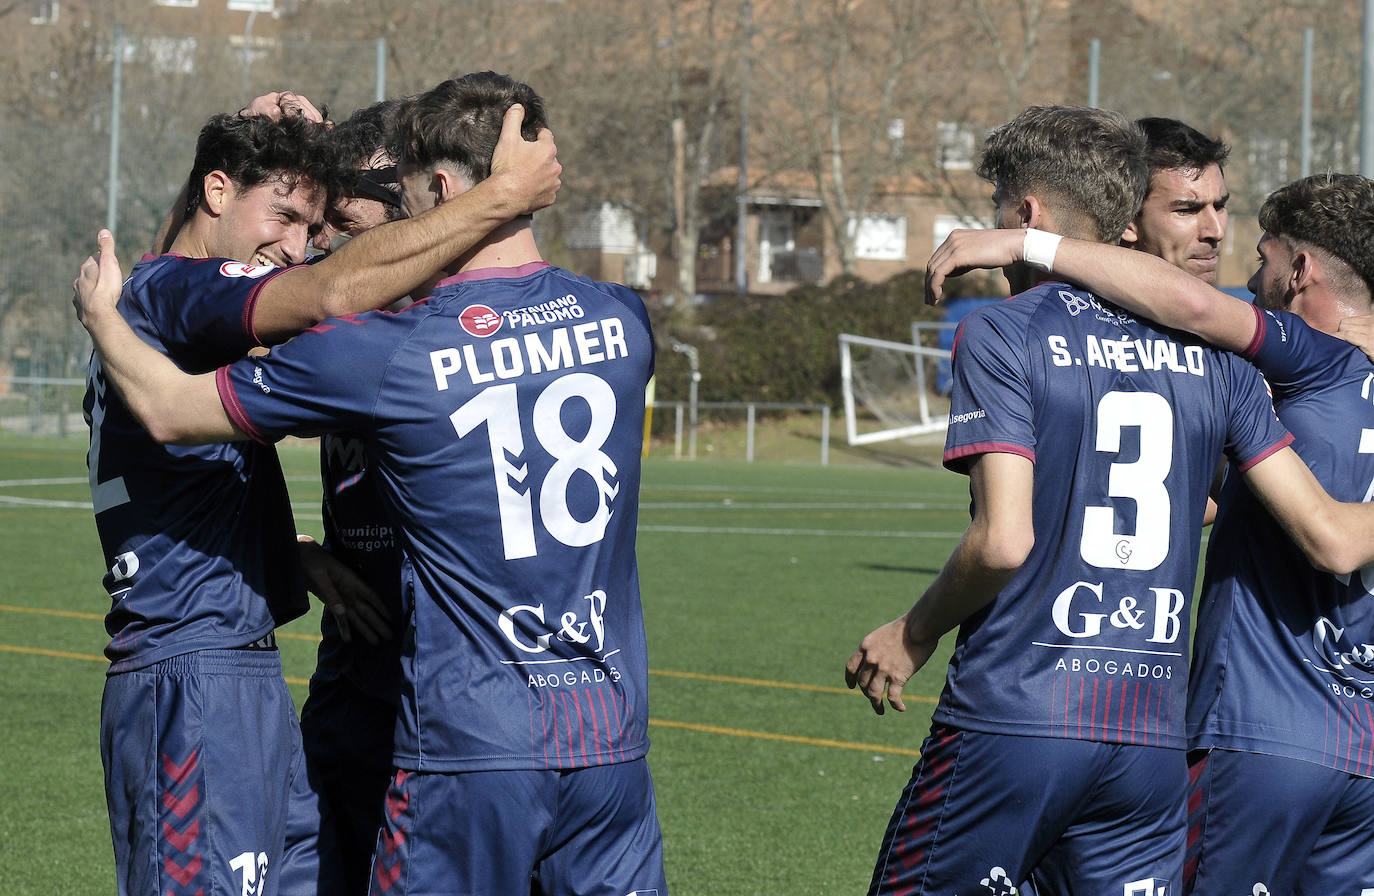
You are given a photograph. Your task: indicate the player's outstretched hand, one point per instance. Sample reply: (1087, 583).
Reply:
(969, 250)
(884, 662)
(530, 169)
(1359, 332)
(97, 286)
(279, 104)
(357, 609)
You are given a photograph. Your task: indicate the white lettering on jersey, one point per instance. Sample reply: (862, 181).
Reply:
(1163, 617)
(502, 359)
(1129, 355)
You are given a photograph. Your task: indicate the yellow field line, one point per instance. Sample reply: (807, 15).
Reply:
(65, 614)
(60, 654)
(663, 673)
(88, 657)
(788, 738)
(765, 683)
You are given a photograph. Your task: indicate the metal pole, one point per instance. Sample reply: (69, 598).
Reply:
(691, 352)
(1094, 63)
(381, 69)
(1367, 93)
(749, 435)
(1306, 152)
(825, 435)
(116, 90)
(742, 196)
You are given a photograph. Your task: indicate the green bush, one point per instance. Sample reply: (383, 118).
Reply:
(786, 348)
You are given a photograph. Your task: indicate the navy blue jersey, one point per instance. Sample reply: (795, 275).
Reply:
(199, 543)
(1284, 654)
(505, 416)
(1125, 423)
(358, 532)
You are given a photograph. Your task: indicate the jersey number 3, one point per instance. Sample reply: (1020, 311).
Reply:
(1141, 481)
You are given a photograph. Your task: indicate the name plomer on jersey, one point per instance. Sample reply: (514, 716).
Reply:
(509, 357)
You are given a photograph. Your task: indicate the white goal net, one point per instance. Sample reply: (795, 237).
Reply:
(891, 389)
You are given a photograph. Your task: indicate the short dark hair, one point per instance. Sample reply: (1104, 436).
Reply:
(358, 140)
(252, 150)
(459, 121)
(1173, 144)
(1089, 163)
(1333, 213)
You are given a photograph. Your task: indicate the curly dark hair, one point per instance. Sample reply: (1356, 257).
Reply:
(459, 121)
(1330, 212)
(252, 150)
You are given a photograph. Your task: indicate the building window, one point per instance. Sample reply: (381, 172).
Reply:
(251, 5)
(171, 55)
(896, 132)
(881, 238)
(607, 228)
(43, 12)
(955, 146)
(945, 224)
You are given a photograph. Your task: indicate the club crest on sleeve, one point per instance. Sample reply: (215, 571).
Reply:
(242, 269)
(479, 320)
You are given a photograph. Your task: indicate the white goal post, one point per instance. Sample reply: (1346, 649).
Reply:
(890, 384)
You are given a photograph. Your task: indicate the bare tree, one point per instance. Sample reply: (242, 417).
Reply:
(842, 80)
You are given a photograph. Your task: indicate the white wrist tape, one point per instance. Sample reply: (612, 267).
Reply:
(1039, 248)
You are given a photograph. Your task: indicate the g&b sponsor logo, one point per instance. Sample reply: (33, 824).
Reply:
(1344, 659)
(528, 628)
(1081, 610)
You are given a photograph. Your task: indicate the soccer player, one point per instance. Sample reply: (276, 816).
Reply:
(1183, 218)
(505, 415)
(198, 732)
(1279, 702)
(1089, 438)
(350, 714)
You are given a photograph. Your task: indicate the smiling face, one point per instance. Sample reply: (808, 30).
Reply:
(1183, 219)
(269, 224)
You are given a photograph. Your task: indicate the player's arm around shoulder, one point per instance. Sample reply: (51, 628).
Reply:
(998, 541)
(1337, 537)
(172, 405)
(377, 267)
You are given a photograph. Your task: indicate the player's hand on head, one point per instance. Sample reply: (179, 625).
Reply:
(279, 104)
(530, 168)
(357, 609)
(1359, 332)
(885, 661)
(100, 280)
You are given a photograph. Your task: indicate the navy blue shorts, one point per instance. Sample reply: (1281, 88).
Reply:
(1262, 824)
(348, 735)
(985, 813)
(580, 832)
(205, 779)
